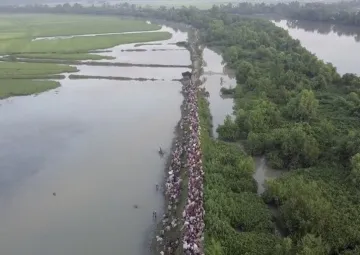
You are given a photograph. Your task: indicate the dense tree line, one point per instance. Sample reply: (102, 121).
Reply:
(301, 114)
(346, 13)
(294, 109)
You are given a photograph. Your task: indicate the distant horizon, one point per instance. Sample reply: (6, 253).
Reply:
(154, 2)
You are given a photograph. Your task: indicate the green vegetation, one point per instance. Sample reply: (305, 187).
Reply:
(42, 25)
(18, 31)
(10, 70)
(16, 39)
(237, 220)
(301, 114)
(9, 88)
(64, 56)
(77, 44)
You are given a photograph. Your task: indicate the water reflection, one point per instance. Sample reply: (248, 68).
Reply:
(263, 173)
(214, 70)
(325, 28)
(338, 47)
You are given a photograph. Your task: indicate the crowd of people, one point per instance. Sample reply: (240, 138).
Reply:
(193, 214)
(186, 156)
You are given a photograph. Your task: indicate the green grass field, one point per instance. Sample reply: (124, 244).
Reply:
(64, 56)
(78, 44)
(18, 31)
(17, 70)
(42, 25)
(9, 88)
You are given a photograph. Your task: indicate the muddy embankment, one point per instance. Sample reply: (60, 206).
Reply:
(168, 238)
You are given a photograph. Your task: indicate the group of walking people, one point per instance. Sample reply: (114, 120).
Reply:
(188, 226)
(193, 214)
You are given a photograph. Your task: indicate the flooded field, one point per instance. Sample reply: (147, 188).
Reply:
(172, 54)
(80, 157)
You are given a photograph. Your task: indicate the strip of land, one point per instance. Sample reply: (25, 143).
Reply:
(99, 77)
(88, 63)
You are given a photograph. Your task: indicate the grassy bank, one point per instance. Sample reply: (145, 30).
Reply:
(17, 70)
(9, 88)
(17, 79)
(63, 56)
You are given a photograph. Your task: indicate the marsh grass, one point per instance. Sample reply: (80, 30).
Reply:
(9, 88)
(18, 70)
(64, 56)
(78, 44)
(42, 25)
(18, 31)
(48, 59)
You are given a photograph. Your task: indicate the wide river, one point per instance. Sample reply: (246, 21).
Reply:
(94, 143)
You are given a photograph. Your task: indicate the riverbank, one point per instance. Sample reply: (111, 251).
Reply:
(10, 88)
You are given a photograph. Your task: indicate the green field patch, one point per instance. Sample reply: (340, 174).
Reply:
(64, 56)
(9, 88)
(18, 70)
(12, 35)
(40, 25)
(79, 44)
